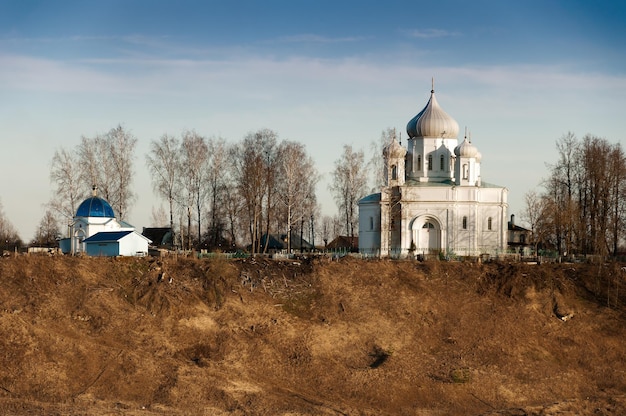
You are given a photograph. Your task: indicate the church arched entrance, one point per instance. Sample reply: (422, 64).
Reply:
(426, 234)
(79, 237)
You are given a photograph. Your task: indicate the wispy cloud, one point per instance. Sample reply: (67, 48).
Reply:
(312, 38)
(132, 38)
(429, 33)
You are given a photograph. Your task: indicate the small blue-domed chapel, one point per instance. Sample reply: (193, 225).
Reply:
(96, 231)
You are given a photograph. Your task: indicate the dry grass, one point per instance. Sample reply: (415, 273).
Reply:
(180, 336)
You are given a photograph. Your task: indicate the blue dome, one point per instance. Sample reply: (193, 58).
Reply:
(95, 207)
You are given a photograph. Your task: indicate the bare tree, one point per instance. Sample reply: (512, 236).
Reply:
(96, 167)
(533, 214)
(163, 162)
(217, 170)
(48, 231)
(194, 157)
(233, 204)
(376, 165)
(252, 163)
(9, 238)
(584, 196)
(267, 139)
(326, 229)
(617, 177)
(348, 185)
(106, 162)
(65, 174)
(296, 188)
(121, 145)
(158, 218)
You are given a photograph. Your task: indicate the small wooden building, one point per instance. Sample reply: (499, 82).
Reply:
(117, 243)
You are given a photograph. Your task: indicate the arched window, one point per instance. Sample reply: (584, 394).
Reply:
(465, 223)
(465, 171)
(394, 172)
(430, 162)
(441, 163)
(419, 162)
(489, 223)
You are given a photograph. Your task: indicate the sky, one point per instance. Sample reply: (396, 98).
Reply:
(518, 74)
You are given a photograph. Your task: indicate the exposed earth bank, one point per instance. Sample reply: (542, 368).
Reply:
(311, 337)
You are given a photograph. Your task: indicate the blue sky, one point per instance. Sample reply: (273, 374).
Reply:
(519, 75)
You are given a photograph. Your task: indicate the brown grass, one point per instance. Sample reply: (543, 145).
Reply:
(180, 336)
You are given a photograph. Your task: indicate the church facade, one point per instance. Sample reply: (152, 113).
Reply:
(434, 200)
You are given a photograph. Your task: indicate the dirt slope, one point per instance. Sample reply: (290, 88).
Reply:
(258, 337)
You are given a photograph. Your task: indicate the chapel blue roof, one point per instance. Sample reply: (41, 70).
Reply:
(95, 207)
(107, 236)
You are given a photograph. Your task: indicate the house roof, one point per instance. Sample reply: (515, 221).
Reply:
(516, 227)
(279, 242)
(159, 235)
(107, 236)
(344, 241)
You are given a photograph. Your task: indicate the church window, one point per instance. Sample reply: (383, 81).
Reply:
(441, 163)
(429, 225)
(419, 162)
(465, 171)
(430, 162)
(465, 223)
(489, 223)
(394, 172)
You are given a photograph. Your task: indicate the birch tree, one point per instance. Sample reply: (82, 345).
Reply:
(194, 157)
(376, 164)
(217, 170)
(251, 167)
(121, 146)
(296, 189)
(47, 231)
(349, 185)
(65, 174)
(163, 162)
(107, 162)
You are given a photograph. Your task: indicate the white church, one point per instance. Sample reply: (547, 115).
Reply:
(434, 200)
(95, 231)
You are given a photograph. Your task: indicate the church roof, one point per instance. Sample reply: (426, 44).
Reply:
(394, 150)
(107, 236)
(95, 207)
(370, 198)
(432, 121)
(467, 149)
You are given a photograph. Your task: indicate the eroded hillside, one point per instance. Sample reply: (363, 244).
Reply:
(261, 337)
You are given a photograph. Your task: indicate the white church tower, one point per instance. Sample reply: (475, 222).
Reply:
(434, 201)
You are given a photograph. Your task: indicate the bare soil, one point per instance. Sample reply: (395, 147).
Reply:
(95, 336)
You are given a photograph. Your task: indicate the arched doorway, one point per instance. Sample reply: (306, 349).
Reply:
(426, 233)
(79, 237)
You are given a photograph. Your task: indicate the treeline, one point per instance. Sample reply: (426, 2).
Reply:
(582, 207)
(9, 238)
(218, 195)
(256, 187)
